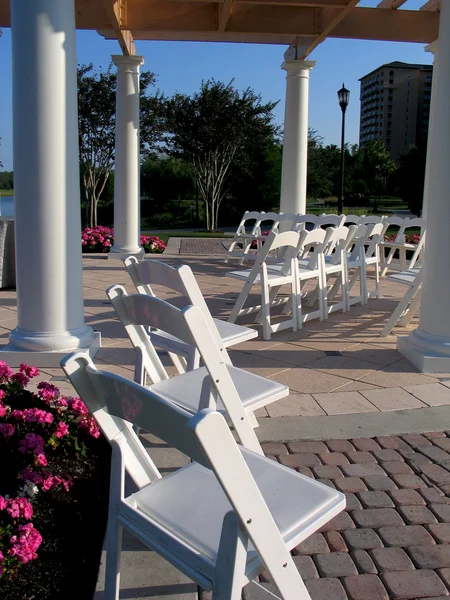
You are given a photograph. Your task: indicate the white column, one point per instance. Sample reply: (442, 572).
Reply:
(127, 212)
(433, 48)
(295, 143)
(46, 182)
(428, 347)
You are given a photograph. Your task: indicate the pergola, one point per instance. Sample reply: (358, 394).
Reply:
(46, 167)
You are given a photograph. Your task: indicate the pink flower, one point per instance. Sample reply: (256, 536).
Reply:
(33, 476)
(78, 406)
(2, 503)
(41, 459)
(2, 409)
(47, 391)
(20, 378)
(19, 508)
(1, 563)
(24, 545)
(47, 483)
(2, 394)
(62, 429)
(6, 430)
(5, 371)
(32, 441)
(29, 371)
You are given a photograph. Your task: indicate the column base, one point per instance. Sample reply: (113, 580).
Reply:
(121, 254)
(14, 355)
(427, 353)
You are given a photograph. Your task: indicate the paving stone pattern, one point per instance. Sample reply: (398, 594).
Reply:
(202, 246)
(393, 540)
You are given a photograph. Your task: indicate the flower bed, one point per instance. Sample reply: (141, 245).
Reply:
(53, 491)
(100, 239)
(409, 239)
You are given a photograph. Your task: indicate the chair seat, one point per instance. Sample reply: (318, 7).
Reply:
(191, 504)
(230, 334)
(406, 245)
(186, 390)
(406, 277)
(273, 274)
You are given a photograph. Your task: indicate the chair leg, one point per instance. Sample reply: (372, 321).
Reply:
(253, 420)
(193, 360)
(413, 309)
(265, 309)
(179, 362)
(398, 312)
(231, 559)
(113, 551)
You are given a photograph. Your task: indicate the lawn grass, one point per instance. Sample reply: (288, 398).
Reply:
(6, 192)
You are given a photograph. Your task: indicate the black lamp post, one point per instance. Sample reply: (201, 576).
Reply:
(343, 97)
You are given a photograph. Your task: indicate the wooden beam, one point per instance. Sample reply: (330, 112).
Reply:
(390, 26)
(281, 24)
(331, 18)
(117, 15)
(391, 3)
(431, 5)
(224, 14)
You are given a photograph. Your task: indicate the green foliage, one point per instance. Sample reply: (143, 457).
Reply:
(411, 177)
(216, 129)
(6, 180)
(96, 126)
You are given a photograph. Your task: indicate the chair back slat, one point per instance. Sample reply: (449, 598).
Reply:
(330, 221)
(149, 361)
(371, 220)
(153, 272)
(249, 216)
(352, 219)
(138, 462)
(179, 279)
(153, 312)
(302, 220)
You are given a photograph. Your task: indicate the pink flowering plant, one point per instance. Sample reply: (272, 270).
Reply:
(409, 239)
(100, 239)
(39, 433)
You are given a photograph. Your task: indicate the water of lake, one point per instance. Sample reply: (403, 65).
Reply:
(6, 206)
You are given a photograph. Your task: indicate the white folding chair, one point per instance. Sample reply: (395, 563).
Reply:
(215, 382)
(223, 518)
(243, 239)
(409, 305)
(335, 265)
(311, 248)
(181, 279)
(304, 222)
(352, 219)
(400, 245)
(365, 253)
(325, 221)
(270, 279)
(371, 219)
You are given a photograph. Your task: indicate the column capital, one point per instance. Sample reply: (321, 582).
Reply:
(433, 47)
(127, 60)
(298, 67)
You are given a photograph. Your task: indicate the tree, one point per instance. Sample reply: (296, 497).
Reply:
(216, 128)
(377, 166)
(96, 124)
(411, 177)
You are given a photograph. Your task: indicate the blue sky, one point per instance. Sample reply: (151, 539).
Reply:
(181, 66)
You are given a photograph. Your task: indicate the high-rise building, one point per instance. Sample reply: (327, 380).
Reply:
(395, 106)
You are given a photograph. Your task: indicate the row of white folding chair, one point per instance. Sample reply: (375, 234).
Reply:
(149, 273)
(348, 263)
(243, 240)
(409, 305)
(399, 244)
(218, 382)
(222, 519)
(298, 267)
(354, 249)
